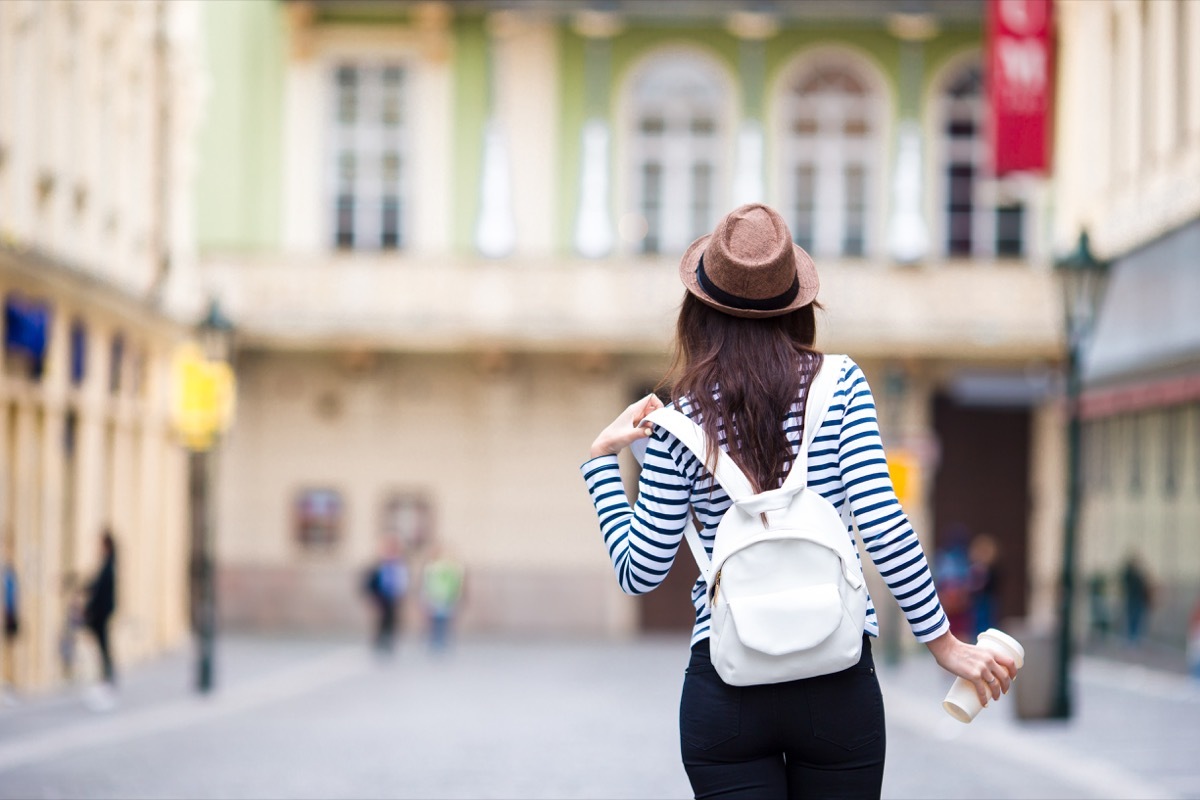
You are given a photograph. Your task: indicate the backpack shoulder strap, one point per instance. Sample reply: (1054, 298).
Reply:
(693, 437)
(818, 399)
(727, 473)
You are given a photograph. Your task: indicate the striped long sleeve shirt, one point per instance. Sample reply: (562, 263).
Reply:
(846, 464)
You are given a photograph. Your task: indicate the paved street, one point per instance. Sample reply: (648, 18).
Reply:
(502, 718)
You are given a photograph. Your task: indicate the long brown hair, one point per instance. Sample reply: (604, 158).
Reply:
(746, 374)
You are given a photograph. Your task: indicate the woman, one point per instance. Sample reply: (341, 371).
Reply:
(101, 603)
(744, 355)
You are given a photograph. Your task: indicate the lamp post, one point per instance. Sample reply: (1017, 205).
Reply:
(1084, 278)
(215, 337)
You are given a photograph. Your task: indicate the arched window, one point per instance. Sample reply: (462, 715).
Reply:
(677, 144)
(831, 151)
(984, 217)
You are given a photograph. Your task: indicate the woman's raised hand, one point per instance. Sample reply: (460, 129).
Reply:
(627, 427)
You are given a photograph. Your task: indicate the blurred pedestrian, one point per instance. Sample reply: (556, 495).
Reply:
(98, 610)
(386, 585)
(443, 582)
(744, 357)
(952, 567)
(1135, 585)
(984, 582)
(11, 590)
(12, 602)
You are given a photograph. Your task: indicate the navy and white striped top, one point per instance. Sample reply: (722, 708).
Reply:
(846, 463)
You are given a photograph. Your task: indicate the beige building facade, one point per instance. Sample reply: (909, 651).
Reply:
(97, 102)
(1129, 165)
(453, 258)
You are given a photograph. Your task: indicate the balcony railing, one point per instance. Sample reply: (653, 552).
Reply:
(952, 309)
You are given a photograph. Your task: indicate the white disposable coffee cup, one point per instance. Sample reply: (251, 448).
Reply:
(962, 702)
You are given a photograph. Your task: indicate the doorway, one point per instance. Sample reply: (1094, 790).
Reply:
(982, 487)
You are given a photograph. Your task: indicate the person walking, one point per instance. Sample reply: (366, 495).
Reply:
(984, 582)
(387, 584)
(97, 612)
(1135, 586)
(442, 586)
(744, 357)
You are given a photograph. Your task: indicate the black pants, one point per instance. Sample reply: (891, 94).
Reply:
(819, 737)
(385, 632)
(99, 629)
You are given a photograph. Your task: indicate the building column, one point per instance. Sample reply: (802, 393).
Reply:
(150, 535)
(752, 29)
(496, 229)
(908, 233)
(27, 553)
(49, 577)
(593, 231)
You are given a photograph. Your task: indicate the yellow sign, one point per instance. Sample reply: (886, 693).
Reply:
(905, 471)
(203, 398)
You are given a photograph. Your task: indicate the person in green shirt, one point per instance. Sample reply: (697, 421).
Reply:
(442, 590)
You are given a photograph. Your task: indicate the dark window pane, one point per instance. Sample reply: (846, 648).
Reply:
(805, 126)
(390, 224)
(803, 211)
(856, 127)
(961, 128)
(344, 233)
(115, 364)
(652, 206)
(1010, 221)
(653, 125)
(854, 239)
(78, 352)
(704, 126)
(960, 208)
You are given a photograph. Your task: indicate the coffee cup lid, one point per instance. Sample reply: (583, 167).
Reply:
(1002, 638)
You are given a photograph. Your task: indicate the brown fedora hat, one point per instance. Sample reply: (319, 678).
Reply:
(749, 266)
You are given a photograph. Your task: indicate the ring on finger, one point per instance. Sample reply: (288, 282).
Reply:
(990, 679)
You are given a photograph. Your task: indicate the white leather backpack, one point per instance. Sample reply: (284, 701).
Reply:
(785, 586)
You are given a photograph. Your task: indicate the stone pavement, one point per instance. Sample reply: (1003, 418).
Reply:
(546, 719)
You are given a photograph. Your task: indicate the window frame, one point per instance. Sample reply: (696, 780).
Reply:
(368, 142)
(339, 527)
(829, 231)
(990, 195)
(679, 155)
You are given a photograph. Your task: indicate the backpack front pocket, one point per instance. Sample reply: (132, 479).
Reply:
(788, 621)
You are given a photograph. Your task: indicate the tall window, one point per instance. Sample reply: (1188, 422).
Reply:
(983, 216)
(369, 156)
(677, 146)
(831, 149)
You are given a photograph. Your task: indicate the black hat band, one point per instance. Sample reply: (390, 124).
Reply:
(782, 300)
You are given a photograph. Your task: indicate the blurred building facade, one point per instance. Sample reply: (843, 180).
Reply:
(1129, 173)
(96, 108)
(449, 236)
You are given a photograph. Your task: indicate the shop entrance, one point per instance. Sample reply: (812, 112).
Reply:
(982, 487)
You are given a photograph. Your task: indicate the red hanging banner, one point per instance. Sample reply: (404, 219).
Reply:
(1020, 81)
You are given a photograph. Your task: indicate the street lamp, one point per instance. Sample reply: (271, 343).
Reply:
(215, 337)
(1084, 278)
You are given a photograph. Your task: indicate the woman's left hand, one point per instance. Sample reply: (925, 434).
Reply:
(627, 427)
(991, 673)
